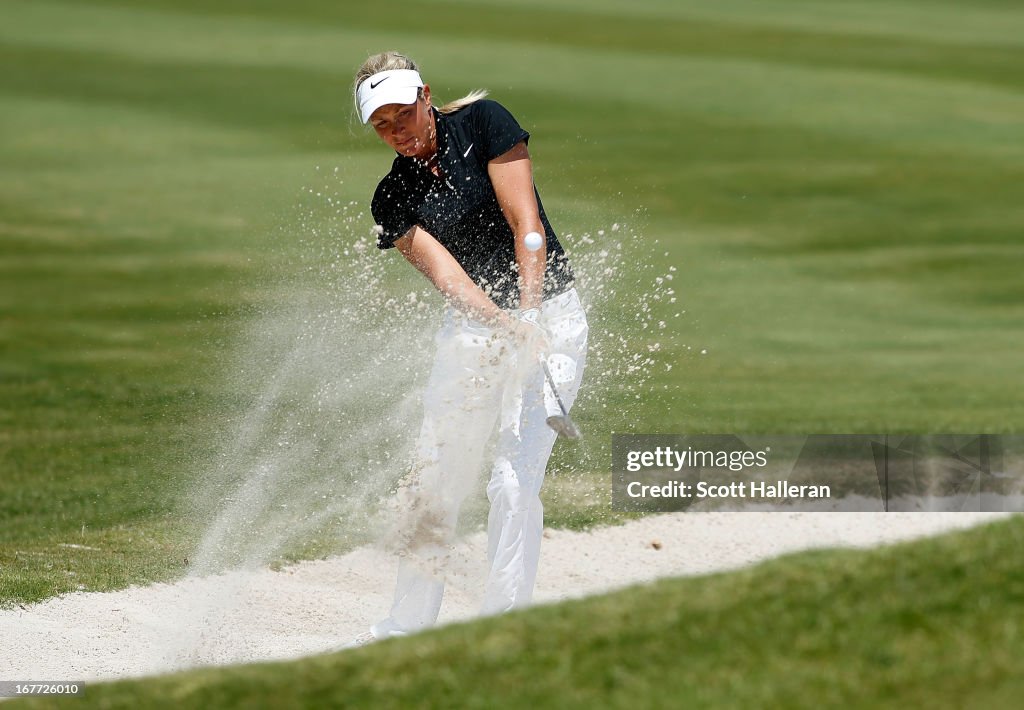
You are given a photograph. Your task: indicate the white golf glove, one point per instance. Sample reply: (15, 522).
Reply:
(530, 336)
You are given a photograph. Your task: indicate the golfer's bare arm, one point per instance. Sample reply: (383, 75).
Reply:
(437, 263)
(512, 177)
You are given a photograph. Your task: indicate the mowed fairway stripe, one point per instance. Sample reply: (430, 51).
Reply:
(880, 107)
(988, 22)
(984, 22)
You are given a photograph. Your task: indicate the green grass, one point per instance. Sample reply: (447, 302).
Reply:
(839, 187)
(933, 623)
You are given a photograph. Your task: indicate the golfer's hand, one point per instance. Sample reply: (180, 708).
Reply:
(529, 335)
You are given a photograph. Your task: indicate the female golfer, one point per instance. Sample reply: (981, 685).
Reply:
(458, 204)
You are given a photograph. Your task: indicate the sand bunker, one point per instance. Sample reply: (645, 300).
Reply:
(318, 606)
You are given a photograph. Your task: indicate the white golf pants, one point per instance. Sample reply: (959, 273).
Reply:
(478, 380)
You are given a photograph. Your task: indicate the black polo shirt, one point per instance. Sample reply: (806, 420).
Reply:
(460, 209)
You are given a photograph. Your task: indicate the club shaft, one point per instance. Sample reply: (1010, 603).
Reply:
(554, 389)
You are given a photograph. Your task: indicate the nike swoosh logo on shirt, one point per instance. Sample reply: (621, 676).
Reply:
(374, 86)
(467, 150)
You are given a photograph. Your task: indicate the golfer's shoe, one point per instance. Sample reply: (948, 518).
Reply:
(363, 639)
(374, 634)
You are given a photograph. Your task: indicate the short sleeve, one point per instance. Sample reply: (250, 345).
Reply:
(391, 213)
(497, 130)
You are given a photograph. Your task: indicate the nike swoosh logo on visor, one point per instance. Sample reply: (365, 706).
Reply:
(374, 86)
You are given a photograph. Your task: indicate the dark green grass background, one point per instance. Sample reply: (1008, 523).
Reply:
(839, 186)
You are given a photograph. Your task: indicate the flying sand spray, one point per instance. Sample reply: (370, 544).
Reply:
(327, 382)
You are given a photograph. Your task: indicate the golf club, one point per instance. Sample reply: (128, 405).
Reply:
(563, 425)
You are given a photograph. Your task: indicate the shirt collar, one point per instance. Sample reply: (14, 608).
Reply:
(441, 125)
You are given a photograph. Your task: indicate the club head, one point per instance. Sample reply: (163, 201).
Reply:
(564, 426)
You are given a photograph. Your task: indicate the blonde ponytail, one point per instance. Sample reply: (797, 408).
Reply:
(453, 106)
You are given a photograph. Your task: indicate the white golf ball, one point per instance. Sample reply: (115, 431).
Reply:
(533, 241)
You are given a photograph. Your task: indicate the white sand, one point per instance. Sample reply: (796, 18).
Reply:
(317, 606)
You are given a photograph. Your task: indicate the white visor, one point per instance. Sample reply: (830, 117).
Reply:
(395, 86)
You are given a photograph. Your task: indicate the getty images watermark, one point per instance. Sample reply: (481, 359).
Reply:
(849, 472)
